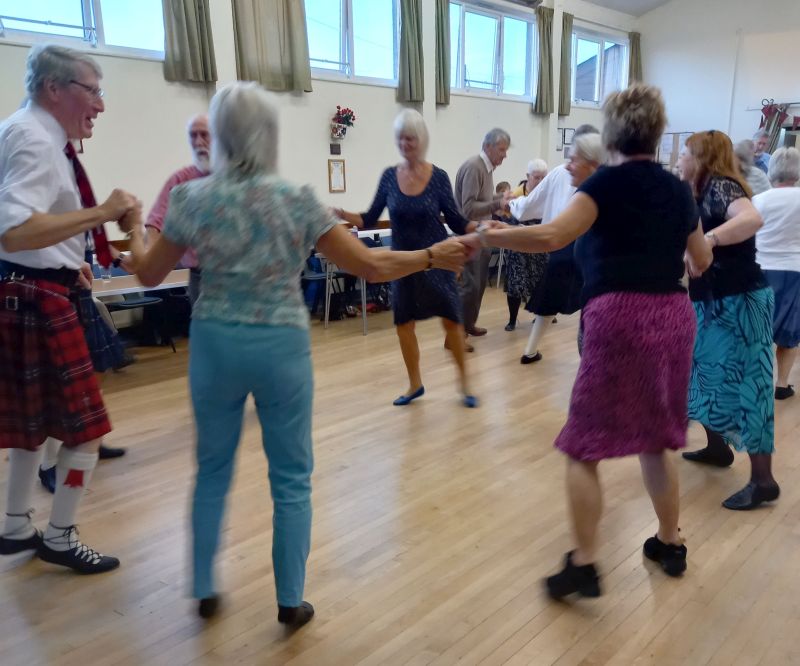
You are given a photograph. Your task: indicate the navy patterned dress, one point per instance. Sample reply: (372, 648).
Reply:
(416, 224)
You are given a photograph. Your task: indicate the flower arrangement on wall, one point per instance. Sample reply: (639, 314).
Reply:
(342, 119)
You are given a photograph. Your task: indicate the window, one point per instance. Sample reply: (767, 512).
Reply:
(110, 25)
(599, 66)
(357, 39)
(491, 52)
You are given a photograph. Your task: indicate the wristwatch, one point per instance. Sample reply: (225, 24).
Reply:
(710, 235)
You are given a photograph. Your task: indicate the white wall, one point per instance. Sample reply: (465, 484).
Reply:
(141, 139)
(716, 59)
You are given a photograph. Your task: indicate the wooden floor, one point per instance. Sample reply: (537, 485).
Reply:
(433, 527)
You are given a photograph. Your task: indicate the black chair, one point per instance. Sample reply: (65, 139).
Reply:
(135, 301)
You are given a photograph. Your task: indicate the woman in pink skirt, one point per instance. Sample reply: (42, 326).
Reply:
(634, 223)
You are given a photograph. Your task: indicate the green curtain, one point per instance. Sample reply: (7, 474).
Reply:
(443, 51)
(188, 43)
(565, 79)
(410, 76)
(544, 87)
(635, 58)
(272, 43)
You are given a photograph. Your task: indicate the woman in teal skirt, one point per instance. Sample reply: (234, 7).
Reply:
(731, 385)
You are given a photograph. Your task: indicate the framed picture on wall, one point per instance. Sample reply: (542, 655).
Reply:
(336, 177)
(569, 134)
(560, 138)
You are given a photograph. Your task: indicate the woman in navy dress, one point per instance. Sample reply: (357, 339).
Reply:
(417, 193)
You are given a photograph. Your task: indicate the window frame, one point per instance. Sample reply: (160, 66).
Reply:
(498, 13)
(346, 71)
(601, 36)
(93, 40)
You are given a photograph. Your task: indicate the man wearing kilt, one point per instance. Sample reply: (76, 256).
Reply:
(47, 383)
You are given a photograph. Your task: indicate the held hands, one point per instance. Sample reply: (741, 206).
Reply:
(449, 254)
(118, 204)
(472, 245)
(132, 219)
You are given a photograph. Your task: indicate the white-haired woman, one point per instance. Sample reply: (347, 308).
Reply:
(252, 232)
(524, 271)
(417, 193)
(778, 253)
(560, 290)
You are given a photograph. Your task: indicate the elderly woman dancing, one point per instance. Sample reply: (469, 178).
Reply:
(416, 193)
(252, 231)
(778, 254)
(634, 222)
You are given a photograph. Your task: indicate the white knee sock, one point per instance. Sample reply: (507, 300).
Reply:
(537, 331)
(22, 469)
(73, 471)
(51, 448)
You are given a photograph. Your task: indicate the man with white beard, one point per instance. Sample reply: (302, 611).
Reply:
(200, 141)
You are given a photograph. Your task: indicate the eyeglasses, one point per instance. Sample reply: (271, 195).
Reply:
(97, 93)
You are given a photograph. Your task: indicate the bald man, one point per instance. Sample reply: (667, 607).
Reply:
(200, 141)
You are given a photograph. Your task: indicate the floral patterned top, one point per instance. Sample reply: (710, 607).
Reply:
(252, 234)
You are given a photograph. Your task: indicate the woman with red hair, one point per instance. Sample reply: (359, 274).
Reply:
(731, 387)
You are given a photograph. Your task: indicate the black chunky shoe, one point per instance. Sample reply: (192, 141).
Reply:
(783, 392)
(672, 558)
(583, 580)
(510, 326)
(208, 607)
(705, 457)
(79, 557)
(295, 616)
(108, 452)
(751, 496)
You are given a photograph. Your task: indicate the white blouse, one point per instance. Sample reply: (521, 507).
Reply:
(547, 199)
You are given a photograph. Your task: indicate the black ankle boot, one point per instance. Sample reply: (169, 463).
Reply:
(295, 616)
(208, 607)
(583, 579)
(672, 558)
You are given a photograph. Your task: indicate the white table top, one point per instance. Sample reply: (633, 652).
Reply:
(128, 284)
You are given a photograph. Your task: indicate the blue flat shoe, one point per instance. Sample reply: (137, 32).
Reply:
(405, 399)
(470, 401)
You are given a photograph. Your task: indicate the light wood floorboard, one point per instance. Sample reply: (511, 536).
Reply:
(433, 527)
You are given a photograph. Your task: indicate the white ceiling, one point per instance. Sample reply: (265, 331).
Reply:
(633, 7)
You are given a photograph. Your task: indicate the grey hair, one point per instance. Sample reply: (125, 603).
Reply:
(760, 134)
(590, 148)
(411, 122)
(50, 62)
(536, 165)
(784, 166)
(243, 118)
(495, 136)
(586, 128)
(744, 151)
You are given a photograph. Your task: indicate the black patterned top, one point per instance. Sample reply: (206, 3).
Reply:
(734, 269)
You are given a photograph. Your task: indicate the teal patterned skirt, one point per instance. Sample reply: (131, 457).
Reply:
(731, 386)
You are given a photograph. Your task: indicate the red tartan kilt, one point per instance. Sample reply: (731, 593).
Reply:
(47, 383)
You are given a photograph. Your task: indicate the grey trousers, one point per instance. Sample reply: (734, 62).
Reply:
(473, 283)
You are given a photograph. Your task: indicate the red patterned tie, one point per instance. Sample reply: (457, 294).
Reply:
(101, 246)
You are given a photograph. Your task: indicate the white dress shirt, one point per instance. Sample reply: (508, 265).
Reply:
(37, 177)
(547, 199)
(487, 162)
